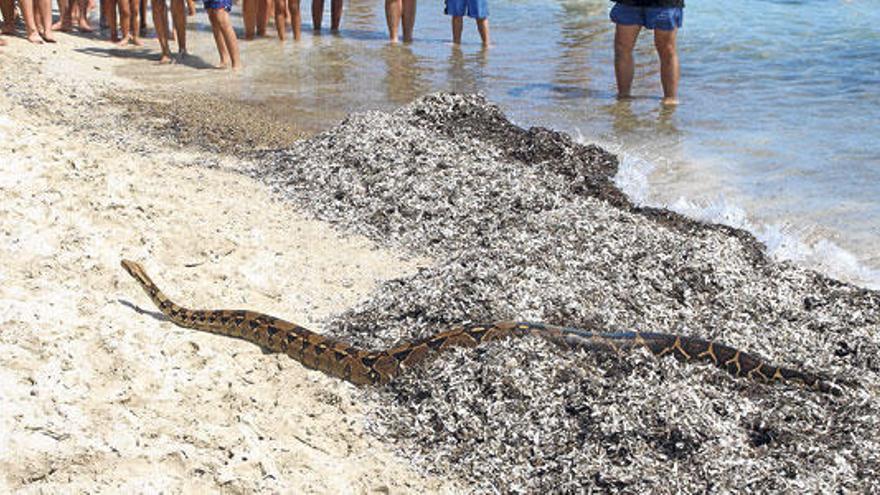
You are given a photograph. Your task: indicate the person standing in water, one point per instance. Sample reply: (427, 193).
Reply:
(318, 14)
(476, 9)
(397, 12)
(664, 17)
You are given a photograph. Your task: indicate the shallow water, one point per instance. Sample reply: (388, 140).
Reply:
(778, 130)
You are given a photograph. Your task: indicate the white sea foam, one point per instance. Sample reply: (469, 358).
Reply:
(783, 241)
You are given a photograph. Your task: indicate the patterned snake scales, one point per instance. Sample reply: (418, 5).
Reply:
(359, 366)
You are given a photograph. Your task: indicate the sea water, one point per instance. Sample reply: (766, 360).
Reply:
(778, 130)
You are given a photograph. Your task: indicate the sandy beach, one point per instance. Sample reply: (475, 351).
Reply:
(98, 396)
(386, 226)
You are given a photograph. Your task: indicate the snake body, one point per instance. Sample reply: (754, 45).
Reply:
(362, 367)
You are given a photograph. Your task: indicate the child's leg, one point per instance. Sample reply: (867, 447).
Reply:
(483, 28)
(392, 17)
(456, 29)
(409, 19)
(317, 14)
(178, 17)
(295, 18)
(190, 7)
(229, 38)
(249, 15)
(160, 24)
(280, 18)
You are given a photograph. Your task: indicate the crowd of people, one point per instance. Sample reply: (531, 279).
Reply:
(124, 20)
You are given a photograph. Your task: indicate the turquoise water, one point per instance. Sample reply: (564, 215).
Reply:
(778, 131)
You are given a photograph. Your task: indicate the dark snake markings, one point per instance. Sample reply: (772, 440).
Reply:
(362, 367)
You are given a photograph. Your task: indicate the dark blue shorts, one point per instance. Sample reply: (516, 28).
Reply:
(478, 9)
(219, 4)
(662, 18)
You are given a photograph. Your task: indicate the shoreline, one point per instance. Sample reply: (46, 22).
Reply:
(99, 396)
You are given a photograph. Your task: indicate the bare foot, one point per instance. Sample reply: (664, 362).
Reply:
(84, 27)
(671, 101)
(137, 42)
(165, 59)
(8, 30)
(35, 38)
(236, 68)
(47, 37)
(123, 42)
(221, 65)
(62, 26)
(181, 57)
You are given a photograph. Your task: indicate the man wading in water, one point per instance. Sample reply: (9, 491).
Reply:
(664, 17)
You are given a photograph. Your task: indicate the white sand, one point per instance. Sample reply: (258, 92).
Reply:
(96, 396)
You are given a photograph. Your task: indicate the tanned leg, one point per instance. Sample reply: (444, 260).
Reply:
(190, 7)
(457, 22)
(262, 17)
(160, 24)
(218, 39)
(624, 67)
(82, 17)
(317, 14)
(7, 7)
(280, 18)
(65, 23)
(408, 14)
(229, 38)
(124, 21)
(393, 14)
(135, 9)
(178, 16)
(335, 14)
(44, 11)
(483, 28)
(664, 41)
(249, 15)
(295, 18)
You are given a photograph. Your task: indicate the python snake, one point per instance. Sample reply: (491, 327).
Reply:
(363, 367)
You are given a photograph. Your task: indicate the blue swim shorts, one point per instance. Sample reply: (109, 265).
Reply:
(478, 9)
(662, 18)
(219, 4)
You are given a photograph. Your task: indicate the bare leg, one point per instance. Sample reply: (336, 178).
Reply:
(135, 9)
(178, 16)
(190, 8)
(624, 67)
(160, 24)
(249, 15)
(82, 22)
(408, 14)
(392, 17)
(317, 14)
(142, 12)
(262, 17)
(45, 16)
(229, 38)
(64, 23)
(295, 18)
(664, 41)
(483, 28)
(124, 21)
(218, 39)
(7, 7)
(335, 14)
(456, 29)
(281, 18)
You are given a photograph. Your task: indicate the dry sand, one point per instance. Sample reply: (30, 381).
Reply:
(96, 395)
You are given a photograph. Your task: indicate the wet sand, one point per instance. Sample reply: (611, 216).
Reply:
(98, 393)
